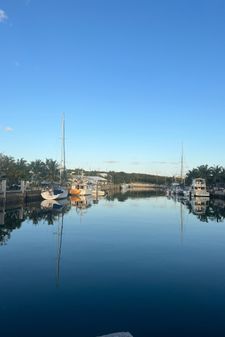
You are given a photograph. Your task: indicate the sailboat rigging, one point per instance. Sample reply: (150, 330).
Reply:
(182, 164)
(58, 192)
(63, 160)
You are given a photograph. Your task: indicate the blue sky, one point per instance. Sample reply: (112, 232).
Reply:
(135, 79)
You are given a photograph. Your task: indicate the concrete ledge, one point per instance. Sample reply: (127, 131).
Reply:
(14, 197)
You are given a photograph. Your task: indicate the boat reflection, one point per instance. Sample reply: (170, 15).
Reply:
(205, 209)
(48, 211)
(54, 205)
(199, 205)
(82, 203)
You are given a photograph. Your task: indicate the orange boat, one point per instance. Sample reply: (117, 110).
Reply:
(80, 189)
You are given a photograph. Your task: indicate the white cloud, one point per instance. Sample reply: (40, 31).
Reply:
(111, 161)
(3, 16)
(8, 129)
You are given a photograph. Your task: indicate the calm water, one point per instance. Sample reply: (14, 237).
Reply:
(144, 264)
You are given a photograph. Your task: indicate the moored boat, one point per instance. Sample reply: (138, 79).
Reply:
(58, 192)
(80, 188)
(198, 188)
(54, 193)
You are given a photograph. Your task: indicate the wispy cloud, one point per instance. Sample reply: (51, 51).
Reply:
(111, 161)
(135, 163)
(165, 162)
(3, 16)
(8, 129)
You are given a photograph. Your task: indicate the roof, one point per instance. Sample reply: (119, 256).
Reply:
(95, 178)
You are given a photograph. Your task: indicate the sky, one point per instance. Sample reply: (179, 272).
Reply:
(135, 79)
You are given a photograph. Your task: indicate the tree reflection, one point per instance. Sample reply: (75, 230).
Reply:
(13, 218)
(132, 195)
(207, 210)
(10, 219)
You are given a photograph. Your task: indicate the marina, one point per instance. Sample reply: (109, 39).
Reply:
(112, 173)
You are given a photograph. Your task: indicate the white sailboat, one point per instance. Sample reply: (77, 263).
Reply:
(58, 192)
(54, 193)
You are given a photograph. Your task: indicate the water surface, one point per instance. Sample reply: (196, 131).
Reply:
(138, 263)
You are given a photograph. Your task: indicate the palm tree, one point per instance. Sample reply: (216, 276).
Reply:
(52, 168)
(21, 170)
(217, 172)
(38, 171)
(8, 169)
(203, 171)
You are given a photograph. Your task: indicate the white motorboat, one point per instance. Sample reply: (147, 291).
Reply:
(198, 188)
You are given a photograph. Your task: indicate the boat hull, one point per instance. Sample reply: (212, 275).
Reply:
(49, 195)
(80, 191)
(74, 191)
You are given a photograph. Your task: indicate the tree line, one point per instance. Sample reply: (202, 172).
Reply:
(37, 171)
(15, 170)
(214, 175)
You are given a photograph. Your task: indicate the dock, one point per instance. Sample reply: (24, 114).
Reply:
(18, 196)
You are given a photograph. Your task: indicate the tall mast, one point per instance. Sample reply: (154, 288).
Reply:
(182, 163)
(63, 166)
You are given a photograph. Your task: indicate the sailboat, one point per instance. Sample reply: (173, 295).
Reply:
(58, 192)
